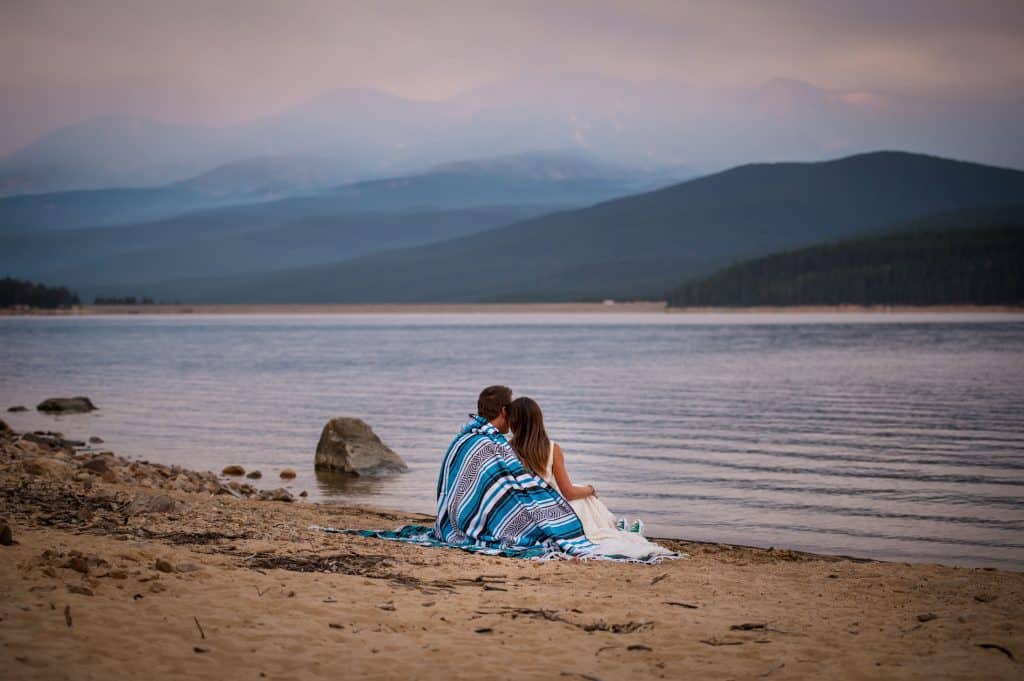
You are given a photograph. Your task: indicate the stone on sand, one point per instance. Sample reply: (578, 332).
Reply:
(66, 405)
(287, 474)
(145, 503)
(17, 408)
(6, 536)
(349, 445)
(254, 475)
(233, 469)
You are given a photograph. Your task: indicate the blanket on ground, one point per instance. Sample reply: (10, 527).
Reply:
(488, 502)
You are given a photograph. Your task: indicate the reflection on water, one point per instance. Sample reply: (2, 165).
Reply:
(887, 436)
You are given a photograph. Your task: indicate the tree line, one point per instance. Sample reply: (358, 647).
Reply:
(934, 267)
(17, 293)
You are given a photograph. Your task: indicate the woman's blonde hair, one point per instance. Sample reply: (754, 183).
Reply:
(530, 441)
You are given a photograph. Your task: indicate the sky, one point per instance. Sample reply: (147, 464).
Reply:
(218, 62)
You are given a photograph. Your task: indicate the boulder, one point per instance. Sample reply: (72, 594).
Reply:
(66, 405)
(349, 445)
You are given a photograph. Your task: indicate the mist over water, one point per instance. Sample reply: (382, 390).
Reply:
(884, 436)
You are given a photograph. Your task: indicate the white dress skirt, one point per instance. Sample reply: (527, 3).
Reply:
(599, 524)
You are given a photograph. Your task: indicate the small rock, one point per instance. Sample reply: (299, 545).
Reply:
(6, 537)
(287, 474)
(145, 503)
(4, 428)
(254, 475)
(233, 469)
(118, 574)
(44, 466)
(303, 494)
(157, 587)
(97, 465)
(279, 494)
(163, 565)
(95, 440)
(17, 408)
(985, 598)
(927, 617)
(77, 589)
(78, 564)
(66, 405)
(109, 476)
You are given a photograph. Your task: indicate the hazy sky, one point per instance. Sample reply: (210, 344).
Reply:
(219, 62)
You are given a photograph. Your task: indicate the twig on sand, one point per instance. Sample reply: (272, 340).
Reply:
(588, 677)
(986, 646)
(67, 618)
(720, 642)
(659, 578)
(681, 605)
(199, 626)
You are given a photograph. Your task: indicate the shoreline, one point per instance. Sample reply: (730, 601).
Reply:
(122, 568)
(624, 308)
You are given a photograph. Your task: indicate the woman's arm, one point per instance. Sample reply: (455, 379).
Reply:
(569, 490)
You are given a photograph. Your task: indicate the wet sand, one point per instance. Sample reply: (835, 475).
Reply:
(125, 570)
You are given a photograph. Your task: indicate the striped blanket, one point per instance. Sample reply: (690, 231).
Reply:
(487, 500)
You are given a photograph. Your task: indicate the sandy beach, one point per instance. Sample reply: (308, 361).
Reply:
(125, 569)
(642, 307)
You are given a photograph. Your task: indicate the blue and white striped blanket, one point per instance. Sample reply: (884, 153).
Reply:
(487, 499)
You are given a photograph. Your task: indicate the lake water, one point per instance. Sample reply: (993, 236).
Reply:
(890, 436)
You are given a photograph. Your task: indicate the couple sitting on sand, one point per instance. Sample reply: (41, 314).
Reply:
(517, 499)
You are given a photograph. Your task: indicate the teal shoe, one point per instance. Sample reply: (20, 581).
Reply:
(637, 526)
(620, 524)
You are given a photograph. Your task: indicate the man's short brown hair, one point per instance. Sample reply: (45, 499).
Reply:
(491, 401)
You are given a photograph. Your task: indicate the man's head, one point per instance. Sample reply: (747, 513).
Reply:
(493, 406)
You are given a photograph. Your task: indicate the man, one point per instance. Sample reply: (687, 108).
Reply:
(487, 499)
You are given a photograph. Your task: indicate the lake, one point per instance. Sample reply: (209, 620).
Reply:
(888, 436)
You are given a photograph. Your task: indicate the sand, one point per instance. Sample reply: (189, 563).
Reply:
(226, 588)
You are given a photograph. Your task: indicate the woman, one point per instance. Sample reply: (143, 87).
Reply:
(542, 456)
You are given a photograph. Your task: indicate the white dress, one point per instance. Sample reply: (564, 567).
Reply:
(599, 524)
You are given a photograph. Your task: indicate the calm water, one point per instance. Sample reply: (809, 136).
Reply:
(897, 437)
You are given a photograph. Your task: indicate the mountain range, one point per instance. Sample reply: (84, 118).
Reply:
(637, 247)
(638, 124)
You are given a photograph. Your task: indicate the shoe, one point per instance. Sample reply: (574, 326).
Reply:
(637, 526)
(620, 524)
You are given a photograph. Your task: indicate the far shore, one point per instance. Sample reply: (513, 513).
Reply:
(625, 308)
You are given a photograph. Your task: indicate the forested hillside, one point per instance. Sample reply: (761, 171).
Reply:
(932, 266)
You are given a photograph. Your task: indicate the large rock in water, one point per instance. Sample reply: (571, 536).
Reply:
(349, 445)
(66, 405)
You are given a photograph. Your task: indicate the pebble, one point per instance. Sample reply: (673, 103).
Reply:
(927, 617)
(82, 590)
(233, 469)
(287, 474)
(96, 440)
(255, 475)
(163, 565)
